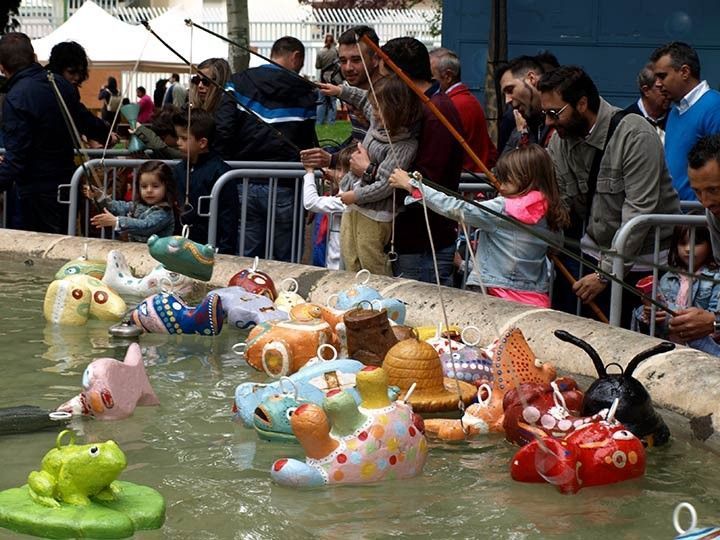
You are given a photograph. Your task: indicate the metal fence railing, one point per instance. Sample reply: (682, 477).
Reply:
(655, 221)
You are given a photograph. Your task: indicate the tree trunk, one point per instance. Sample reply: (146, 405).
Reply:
(497, 53)
(238, 28)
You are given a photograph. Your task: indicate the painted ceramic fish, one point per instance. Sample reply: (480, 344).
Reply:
(347, 444)
(77, 298)
(283, 348)
(244, 309)
(112, 389)
(119, 278)
(595, 454)
(513, 363)
(82, 266)
(166, 313)
(181, 255)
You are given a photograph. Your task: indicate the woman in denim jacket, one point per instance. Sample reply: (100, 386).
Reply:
(151, 212)
(513, 262)
(679, 291)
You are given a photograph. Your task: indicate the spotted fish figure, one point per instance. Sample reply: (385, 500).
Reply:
(166, 313)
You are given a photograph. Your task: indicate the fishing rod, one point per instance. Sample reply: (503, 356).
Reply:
(75, 137)
(562, 249)
(190, 22)
(463, 143)
(226, 91)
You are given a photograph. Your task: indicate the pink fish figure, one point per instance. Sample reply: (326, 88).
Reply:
(112, 389)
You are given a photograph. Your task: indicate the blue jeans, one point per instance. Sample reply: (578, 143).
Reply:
(419, 266)
(256, 222)
(326, 107)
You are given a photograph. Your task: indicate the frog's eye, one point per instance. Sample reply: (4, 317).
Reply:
(94, 451)
(290, 412)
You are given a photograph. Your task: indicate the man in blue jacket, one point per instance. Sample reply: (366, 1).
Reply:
(286, 103)
(38, 149)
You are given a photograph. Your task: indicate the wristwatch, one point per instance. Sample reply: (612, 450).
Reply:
(369, 175)
(716, 322)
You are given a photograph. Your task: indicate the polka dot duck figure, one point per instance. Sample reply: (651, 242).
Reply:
(347, 444)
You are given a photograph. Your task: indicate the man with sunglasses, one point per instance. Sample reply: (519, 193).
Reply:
(610, 168)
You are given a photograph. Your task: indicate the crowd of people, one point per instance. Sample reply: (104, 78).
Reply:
(571, 166)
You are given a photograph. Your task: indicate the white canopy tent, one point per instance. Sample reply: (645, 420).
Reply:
(111, 43)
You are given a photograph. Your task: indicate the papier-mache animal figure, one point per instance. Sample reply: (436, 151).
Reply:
(596, 453)
(72, 474)
(254, 281)
(347, 444)
(268, 407)
(535, 410)
(82, 266)
(167, 313)
(283, 348)
(244, 309)
(112, 389)
(513, 363)
(462, 359)
(76, 298)
(77, 494)
(120, 278)
(635, 409)
(361, 293)
(288, 296)
(693, 532)
(182, 255)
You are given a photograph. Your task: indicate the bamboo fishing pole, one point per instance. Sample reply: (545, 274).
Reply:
(460, 139)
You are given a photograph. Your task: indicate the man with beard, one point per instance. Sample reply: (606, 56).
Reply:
(610, 168)
(518, 82)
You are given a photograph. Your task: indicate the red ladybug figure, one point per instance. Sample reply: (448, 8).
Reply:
(595, 454)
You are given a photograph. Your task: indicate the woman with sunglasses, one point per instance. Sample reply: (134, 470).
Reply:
(206, 89)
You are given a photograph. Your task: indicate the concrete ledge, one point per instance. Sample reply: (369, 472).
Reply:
(684, 380)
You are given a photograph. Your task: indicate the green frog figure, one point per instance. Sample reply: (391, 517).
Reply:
(73, 473)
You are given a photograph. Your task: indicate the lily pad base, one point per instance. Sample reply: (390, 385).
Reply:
(135, 508)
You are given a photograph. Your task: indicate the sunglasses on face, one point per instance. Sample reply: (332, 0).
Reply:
(554, 113)
(197, 80)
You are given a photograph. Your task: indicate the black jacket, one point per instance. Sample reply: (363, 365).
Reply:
(203, 175)
(38, 147)
(280, 100)
(634, 108)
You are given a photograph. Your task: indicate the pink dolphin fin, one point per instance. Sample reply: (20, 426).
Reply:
(112, 389)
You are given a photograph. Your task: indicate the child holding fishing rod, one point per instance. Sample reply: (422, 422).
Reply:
(391, 142)
(678, 290)
(513, 261)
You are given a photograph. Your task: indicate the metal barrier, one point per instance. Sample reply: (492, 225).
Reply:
(649, 220)
(272, 176)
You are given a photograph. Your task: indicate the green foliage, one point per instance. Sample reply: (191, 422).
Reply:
(8, 13)
(337, 132)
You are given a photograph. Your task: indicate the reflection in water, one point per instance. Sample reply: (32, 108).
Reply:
(215, 474)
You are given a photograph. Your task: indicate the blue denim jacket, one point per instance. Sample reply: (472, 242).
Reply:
(141, 221)
(509, 256)
(704, 294)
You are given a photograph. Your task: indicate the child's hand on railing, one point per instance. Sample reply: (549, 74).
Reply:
(92, 192)
(106, 219)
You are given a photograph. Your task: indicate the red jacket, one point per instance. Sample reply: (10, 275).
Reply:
(474, 125)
